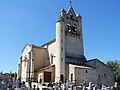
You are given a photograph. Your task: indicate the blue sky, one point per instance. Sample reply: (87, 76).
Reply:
(33, 22)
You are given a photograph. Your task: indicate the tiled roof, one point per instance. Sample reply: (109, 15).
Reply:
(48, 43)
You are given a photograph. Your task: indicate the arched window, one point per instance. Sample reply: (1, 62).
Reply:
(51, 58)
(74, 29)
(68, 27)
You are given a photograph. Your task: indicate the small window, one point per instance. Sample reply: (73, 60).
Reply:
(52, 59)
(86, 71)
(61, 40)
(61, 59)
(99, 76)
(71, 16)
(61, 49)
(105, 75)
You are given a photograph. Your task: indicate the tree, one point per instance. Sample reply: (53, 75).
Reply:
(115, 65)
(117, 73)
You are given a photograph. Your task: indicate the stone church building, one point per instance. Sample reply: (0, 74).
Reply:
(63, 57)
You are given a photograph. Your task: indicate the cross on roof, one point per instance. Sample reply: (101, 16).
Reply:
(70, 2)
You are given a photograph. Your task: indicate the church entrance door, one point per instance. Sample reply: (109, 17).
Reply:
(47, 76)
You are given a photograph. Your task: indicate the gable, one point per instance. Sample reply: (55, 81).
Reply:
(70, 13)
(26, 47)
(97, 64)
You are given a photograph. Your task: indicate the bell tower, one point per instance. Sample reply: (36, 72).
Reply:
(73, 32)
(69, 42)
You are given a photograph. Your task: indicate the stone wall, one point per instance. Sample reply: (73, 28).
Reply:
(74, 46)
(52, 52)
(104, 74)
(85, 75)
(40, 57)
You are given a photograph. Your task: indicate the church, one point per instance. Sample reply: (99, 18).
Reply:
(63, 57)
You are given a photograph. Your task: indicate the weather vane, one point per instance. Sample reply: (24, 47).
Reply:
(70, 2)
